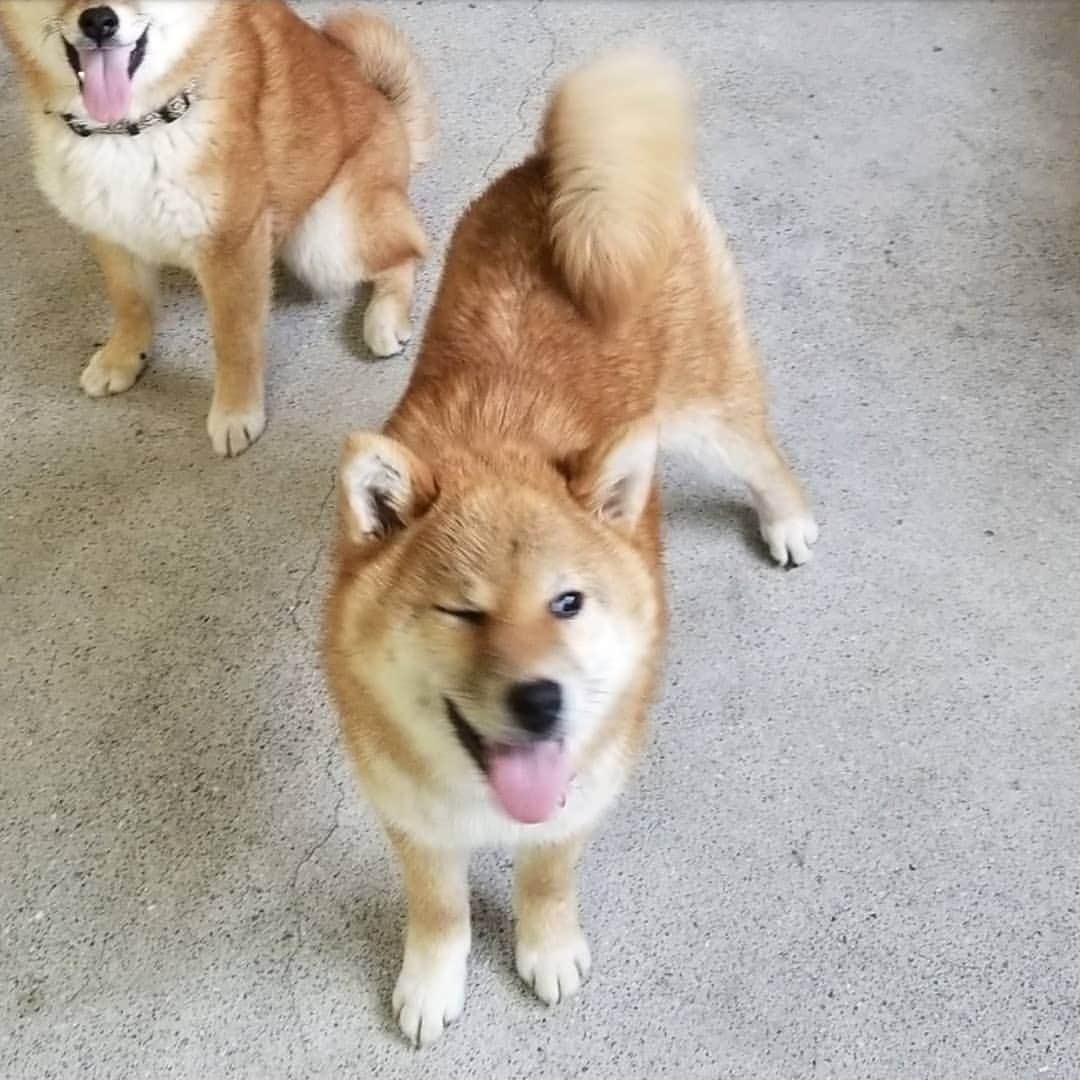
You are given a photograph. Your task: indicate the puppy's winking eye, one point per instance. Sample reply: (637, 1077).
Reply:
(566, 605)
(469, 615)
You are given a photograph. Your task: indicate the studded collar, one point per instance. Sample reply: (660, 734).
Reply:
(168, 113)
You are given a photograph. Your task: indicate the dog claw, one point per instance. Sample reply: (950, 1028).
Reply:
(429, 995)
(231, 433)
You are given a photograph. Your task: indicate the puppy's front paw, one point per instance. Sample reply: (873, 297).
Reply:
(110, 373)
(232, 432)
(386, 329)
(555, 966)
(790, 539)
(430, 992)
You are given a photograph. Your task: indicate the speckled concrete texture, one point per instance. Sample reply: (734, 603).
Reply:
(852, 849)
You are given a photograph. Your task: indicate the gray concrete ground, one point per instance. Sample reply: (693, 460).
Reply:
(852, 850)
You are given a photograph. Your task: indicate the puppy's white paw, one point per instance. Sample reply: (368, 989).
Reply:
(386, 331)
(790, 539)
(231, 433)
(106, 374)
(430, 993)
(556, 967)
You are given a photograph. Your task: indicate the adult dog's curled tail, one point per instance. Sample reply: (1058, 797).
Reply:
(388, 62)
(619, 144)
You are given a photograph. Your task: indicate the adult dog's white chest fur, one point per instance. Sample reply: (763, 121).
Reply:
(142, 192)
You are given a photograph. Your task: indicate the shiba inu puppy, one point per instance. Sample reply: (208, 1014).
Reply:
(212, 135)
(495, 621)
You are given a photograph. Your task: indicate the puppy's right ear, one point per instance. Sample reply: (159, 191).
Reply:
(614, 479)
(383, 486)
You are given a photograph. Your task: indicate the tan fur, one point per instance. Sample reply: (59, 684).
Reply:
(133, 298)
(389, 64)
(520, 462)
(545, 886)
(285, 114)
(436, 889)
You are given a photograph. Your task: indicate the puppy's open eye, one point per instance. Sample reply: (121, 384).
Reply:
(469, 615)
(566, 605)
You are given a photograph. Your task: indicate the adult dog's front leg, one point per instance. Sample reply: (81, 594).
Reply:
(235, 275)
(132, 286)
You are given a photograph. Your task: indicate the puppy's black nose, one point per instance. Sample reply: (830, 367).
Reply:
(536, 706)
(99, 23)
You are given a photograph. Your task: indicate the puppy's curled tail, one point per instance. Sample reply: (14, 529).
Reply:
(618, 140)
(387, 61)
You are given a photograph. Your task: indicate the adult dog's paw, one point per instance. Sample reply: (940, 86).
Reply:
(110, 372)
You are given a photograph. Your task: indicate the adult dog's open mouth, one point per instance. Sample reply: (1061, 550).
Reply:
(528, 779)
(105, 73)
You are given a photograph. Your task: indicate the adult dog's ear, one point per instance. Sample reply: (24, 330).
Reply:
(383, 486)
(613, 478)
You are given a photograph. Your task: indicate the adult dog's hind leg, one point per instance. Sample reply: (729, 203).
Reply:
(358, 233)
(391, 244)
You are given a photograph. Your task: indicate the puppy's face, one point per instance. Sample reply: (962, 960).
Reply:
(105, 62)
(503, 622)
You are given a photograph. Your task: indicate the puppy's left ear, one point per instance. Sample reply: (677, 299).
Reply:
(383, 487)
(613, 479)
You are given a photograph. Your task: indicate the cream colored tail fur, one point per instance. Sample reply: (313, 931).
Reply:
(619, 141)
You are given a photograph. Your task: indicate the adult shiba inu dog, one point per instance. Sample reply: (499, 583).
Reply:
(212, 135)
(494, 625)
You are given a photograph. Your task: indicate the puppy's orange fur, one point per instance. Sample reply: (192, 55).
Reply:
(299, 142)
(589, 307)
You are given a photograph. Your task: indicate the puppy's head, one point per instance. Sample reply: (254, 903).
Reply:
(108, 61)
(501, 620)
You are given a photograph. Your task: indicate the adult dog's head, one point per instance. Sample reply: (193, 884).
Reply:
(105, 62)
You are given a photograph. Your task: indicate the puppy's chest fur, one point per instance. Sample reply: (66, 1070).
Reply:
(142, 192)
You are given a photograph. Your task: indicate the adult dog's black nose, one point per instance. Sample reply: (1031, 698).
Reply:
(99, 23)
(536, 706)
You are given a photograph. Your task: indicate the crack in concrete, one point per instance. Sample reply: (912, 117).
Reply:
(298, 919)
(298, 596)
(318, 845)
(95, 967)
(532, 87)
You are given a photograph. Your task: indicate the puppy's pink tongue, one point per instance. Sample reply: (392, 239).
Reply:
(106, 87)
(529, 781)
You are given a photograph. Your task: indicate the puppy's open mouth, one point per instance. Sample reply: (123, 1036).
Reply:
(528, 780)
(105, 75)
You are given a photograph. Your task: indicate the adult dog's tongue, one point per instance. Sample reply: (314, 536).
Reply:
(529, 781)
(106, 87)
